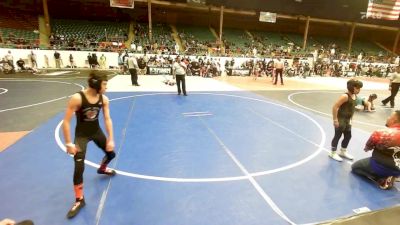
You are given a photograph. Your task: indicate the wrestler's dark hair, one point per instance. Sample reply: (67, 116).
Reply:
(353, 83)
(95, 80)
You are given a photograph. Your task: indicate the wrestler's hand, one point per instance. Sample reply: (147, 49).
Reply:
(71, 148)
(336, 123)
(366, 149)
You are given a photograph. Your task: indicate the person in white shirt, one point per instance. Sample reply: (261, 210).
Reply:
(133, 47)
(133, 68)
(46, 61)
(10, 60)
(393, 87)
(139, 49)
(333, 51)
(359, 58)
(179, 71)
(33, 57)
(315, 55)
(279, 67)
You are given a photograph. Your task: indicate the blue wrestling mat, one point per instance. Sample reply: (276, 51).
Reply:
(211, 158)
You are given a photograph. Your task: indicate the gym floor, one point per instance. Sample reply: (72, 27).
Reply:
(235, 151)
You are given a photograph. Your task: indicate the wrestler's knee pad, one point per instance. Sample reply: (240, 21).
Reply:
(110, 155)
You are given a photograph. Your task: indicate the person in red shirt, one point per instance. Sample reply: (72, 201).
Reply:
(384, 165)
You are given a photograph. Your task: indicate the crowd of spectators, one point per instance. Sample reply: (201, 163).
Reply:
(8, 65)
(211, 66)
(194, 46)
(12, 40)
(161, 43)
(328, 59)
(250, 45)
(196, 66)
(100, 42)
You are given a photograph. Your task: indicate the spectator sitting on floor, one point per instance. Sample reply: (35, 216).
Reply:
(21, 64)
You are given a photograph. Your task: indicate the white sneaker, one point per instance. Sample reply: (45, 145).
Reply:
(346, 155)
(335, 156)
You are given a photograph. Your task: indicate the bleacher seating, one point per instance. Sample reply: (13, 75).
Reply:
(237, 41)
(161, 35)
(82, 33)
(340, 43)
(368, 47)
(23, 31)
(297, 39)
(271, 38)
(200, 33)
(18, 29)
(16, 20)
(195, 39)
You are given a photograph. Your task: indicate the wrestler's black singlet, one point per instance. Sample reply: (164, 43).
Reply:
(346, 110)
(87, 117)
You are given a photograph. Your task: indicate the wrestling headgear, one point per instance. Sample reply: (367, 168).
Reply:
(353, 83)
(95, 81)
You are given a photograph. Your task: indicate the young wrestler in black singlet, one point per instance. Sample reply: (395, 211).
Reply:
(342, 113)
(87, 105)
